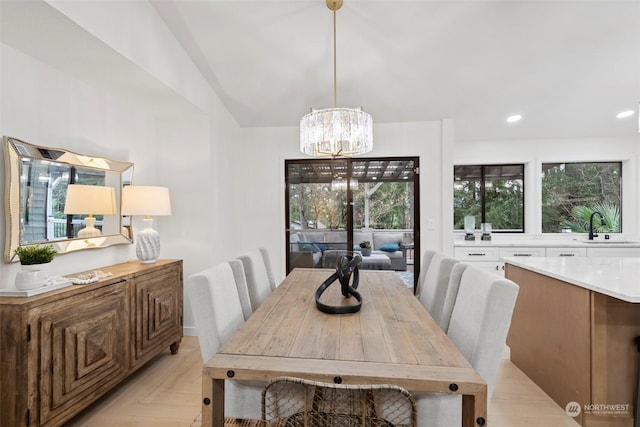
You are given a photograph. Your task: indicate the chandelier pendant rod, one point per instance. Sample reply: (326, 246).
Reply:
(335, 73)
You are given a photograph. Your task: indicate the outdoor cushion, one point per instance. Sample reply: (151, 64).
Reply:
(390, 247)
(381, 238)
(309, 247)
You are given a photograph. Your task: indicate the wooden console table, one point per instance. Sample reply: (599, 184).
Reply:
(60, 351)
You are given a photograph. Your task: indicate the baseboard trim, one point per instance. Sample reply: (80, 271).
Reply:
(189, 331)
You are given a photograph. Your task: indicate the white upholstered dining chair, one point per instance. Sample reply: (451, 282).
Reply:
(438, 282)
(217, 312)
(260, 281)
(241, 285)
(267, 264)
(479, 325)
(424, 269)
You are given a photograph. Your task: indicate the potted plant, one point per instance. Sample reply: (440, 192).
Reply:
(365, 248)
(35, 254)
(34, 261)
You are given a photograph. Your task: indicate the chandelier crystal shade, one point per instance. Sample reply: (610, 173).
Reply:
(336, 131)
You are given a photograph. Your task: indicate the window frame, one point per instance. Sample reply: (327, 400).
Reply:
(483, 203)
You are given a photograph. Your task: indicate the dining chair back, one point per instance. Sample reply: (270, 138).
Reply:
(258, 281)
(293, 402)
(479, 325)
(424, 268)
(241, 284)
(267, 264)
(217, 312)
(434, 289)
(481, 319)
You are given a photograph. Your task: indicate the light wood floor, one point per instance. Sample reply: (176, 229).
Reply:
(167, 393)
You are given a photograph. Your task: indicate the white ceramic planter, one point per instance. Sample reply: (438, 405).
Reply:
(31, 276)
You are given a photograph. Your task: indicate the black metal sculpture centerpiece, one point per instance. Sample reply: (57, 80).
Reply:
(347, 267)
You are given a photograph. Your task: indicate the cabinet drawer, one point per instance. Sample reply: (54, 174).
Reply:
(614, 252)
(522, 252)
(554, 252)
(482, 253)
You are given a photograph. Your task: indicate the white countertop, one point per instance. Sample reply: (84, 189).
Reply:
(550, 243)
(615, 277)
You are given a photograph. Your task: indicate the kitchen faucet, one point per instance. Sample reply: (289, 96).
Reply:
(602, 222)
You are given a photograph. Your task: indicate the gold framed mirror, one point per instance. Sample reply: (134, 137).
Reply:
(36, 182)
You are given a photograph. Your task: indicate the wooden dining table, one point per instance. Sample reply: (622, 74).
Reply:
(391, 340)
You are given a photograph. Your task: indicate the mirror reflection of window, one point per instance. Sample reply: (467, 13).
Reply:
(37, 179)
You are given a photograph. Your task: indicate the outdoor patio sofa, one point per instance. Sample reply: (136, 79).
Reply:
(307, 246)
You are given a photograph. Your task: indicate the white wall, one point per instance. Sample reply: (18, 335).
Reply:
(183, 145)
(534, 153)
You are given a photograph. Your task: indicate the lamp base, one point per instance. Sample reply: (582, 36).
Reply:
(89, 230)
(148, 243)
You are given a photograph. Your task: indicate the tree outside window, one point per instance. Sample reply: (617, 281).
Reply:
(571, 192)
(490, 193)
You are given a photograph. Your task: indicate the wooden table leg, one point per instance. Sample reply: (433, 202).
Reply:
(474, 409)
(212, 401)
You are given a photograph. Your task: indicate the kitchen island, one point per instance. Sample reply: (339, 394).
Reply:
(573, 333)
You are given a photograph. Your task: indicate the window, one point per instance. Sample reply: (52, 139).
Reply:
(490, 193)
(571, 192)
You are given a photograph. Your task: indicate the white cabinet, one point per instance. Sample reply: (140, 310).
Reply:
(613, 252)
(522, 252)
(477, 253)
(490, 257)
(491, 266)
(484, 257)
(564, 252)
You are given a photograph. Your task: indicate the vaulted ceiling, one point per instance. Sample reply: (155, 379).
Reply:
(568, 67)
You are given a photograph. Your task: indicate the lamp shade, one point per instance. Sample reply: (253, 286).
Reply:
(90, 199)
(145, 200)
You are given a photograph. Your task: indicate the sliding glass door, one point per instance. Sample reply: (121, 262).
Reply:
(368, 205)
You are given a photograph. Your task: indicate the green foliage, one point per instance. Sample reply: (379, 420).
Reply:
(582, 215)
(389, 206)
(567, 186)
(35, 254)
(316, 205)
(504, 201)
(366, 244)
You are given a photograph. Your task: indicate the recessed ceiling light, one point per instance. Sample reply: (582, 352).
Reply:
(514, 118)
(625, 114)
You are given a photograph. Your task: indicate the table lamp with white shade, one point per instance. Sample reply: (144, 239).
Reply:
(91, 200)
(148, 201)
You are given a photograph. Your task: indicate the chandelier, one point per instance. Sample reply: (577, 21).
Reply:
(336, 131)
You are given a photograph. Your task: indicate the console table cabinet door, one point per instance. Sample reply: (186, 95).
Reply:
(81, 350)
(157, 298)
